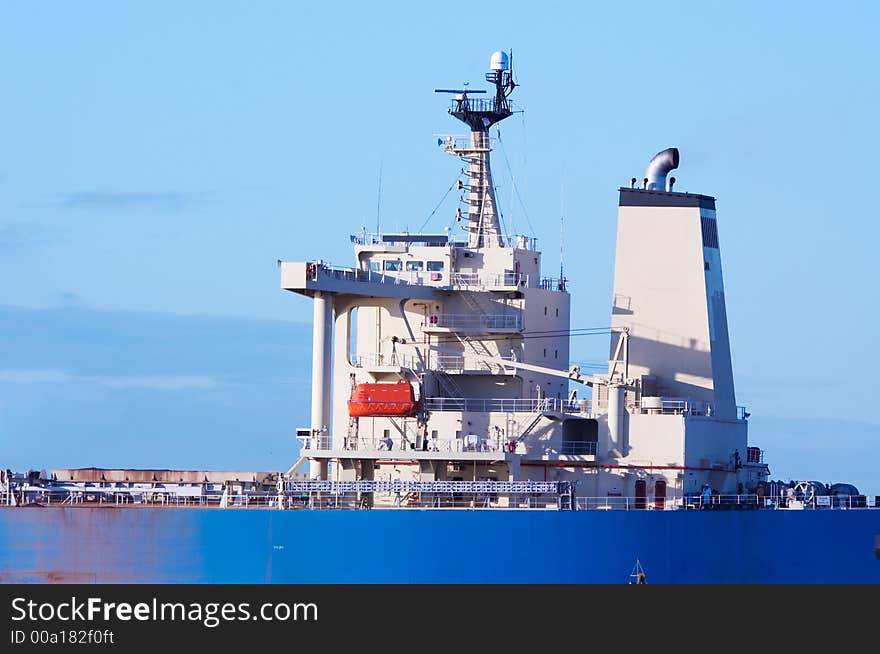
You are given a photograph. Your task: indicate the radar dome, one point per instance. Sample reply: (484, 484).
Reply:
(499, 61)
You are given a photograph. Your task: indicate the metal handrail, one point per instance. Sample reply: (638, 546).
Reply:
(460, 362)
(553, 284)
(489, 279)
(507, 405)
(475, 321)
(375, 359)
(696, 501)
(575, 448)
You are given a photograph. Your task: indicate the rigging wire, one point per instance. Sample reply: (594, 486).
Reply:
(442, 200)
(513, 183)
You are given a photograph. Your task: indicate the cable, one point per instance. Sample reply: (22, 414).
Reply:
(513, 184)
(442, 200)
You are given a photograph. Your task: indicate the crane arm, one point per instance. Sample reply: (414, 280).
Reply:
(572, 375)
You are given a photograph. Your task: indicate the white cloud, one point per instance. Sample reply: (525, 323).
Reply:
(159, 382)
(35, 377)
(154, 382)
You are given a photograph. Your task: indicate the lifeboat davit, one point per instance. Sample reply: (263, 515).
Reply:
(383, 400)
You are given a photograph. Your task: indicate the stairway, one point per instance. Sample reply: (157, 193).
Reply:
(543, 411)
(450, 387)
(470, 299)
(536, 418)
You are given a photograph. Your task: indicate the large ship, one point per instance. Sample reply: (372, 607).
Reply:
(442, 391)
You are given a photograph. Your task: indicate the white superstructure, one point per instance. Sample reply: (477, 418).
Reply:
(481, 339)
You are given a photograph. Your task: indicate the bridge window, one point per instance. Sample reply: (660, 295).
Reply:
(415, 265)
(436, 266)
(393, 264)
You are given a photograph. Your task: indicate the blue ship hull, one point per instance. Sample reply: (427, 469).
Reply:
(108, 545)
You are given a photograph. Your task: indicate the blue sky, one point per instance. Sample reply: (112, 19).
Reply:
(159, 158)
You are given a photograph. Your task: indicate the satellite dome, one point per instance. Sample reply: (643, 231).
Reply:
(499, 61)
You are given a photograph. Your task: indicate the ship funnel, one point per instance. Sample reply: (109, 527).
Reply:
(659, 167)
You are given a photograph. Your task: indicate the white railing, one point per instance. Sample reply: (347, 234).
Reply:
(390, 277)
(399, 494)
(507, 405)
(451, 142)
(415, 500)
(315, 442)
(376, 360)
(717, 503)
(430, 240)
(467, 443)
(459, 363)
(577, 448)
(685, 407)
(474, 321)
(484, 280)
(677, 407)
(526, 487)
(185, 495)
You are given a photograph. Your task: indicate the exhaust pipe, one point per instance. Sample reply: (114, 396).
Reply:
(659, 167)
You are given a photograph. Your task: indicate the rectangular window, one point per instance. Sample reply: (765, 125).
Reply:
(374, 266)
(393, 264)
(415, 265)
(436, 266)
(710, 232)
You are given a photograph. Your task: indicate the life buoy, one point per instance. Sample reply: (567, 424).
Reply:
(310, 271)
(511, 447)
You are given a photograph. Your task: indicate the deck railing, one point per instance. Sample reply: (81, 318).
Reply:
(504, 405)
(697, 502)
(482, 280)
(375, 360)
(577, 448)
(362, 494)
(474, 321)
(461, 362)
(685, 407)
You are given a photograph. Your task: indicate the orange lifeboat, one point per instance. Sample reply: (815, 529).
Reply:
(383, 400)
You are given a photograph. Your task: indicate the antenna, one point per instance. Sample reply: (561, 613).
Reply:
(379, 200)
(561, 243)
(561, 224)
(511, 68)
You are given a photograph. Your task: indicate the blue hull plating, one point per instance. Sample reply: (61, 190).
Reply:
(255, 546)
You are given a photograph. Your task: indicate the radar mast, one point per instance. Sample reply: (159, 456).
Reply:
(479, 114)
